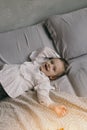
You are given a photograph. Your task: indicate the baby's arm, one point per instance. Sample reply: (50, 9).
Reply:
(44, 99)
(42, 53)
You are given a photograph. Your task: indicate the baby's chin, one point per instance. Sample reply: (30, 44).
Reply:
(40, 68)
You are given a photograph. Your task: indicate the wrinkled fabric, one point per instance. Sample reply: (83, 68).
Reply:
(25, 113)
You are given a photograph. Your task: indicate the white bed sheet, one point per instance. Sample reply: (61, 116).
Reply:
(25, 113)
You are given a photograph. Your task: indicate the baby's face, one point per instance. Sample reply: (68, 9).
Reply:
(52, 67)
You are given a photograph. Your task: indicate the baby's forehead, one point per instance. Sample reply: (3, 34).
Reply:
(56, 59)
(53, 58)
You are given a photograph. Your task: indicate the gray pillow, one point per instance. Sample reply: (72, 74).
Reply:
(78, 75)
(63, 84)
(69, 33)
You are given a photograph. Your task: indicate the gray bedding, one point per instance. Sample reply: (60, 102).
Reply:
(15, 47)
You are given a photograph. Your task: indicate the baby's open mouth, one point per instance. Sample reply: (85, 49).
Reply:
(46, 67)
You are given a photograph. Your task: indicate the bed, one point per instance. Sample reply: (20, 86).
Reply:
(67, 35)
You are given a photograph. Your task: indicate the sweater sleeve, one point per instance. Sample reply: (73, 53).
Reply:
(43, 53)
(43, 94)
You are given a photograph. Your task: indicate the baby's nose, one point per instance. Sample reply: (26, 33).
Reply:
(50, 66)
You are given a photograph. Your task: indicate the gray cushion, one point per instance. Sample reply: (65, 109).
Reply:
(16, 45)
(69, 33)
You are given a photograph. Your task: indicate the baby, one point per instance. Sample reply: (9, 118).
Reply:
(45, 65)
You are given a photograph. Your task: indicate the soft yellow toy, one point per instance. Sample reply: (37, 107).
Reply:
(61, 129)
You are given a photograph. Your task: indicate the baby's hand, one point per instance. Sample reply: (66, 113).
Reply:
(60, 110)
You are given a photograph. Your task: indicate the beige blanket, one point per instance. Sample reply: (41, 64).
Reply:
(25, 113)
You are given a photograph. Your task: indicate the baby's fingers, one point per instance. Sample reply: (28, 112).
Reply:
(64, 111)
(61, 111)
(63, 107)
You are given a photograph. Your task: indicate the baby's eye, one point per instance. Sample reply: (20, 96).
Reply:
(51, 61)
(54, 68)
